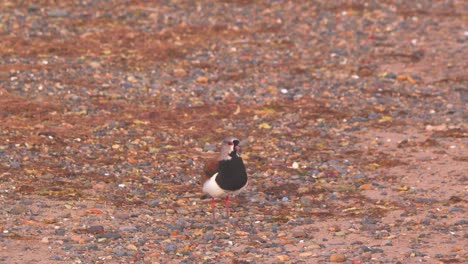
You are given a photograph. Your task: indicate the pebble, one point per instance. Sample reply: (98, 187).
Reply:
(359, 176)
(132, 247)
(179, 72)
(120, 253)
(456, 209)
(111, 235)
(57, 13)
(60, 232)
(180, 223)
(306, 201)
(18, 210)
(209, 147)
(337, 257)
(369, 249)
(153, 202)
(122, 215)
(461, 222)
(95, 229)
(390, 75)
(170, 247)
(209, 236)
(202, 79)
(128, 228)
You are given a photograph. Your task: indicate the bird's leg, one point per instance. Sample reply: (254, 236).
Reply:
(226, 202)
(213, 208)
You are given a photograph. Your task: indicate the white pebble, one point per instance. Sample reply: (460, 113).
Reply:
(295, 165)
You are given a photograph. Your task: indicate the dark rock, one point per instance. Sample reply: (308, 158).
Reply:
(209, 236)
(456, 209)
(170, 247)
(110, 235)
(60, 232)
(95, 229)
(369, 249)
(390, 75)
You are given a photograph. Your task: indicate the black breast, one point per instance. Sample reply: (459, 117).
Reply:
(231, 174)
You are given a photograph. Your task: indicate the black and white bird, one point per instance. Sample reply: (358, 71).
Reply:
(226, 175)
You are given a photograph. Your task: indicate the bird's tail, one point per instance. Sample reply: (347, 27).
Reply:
(205, 196)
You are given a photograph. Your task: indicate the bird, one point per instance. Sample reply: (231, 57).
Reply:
(226, 175)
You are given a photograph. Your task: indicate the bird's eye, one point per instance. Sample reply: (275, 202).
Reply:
(230, 143)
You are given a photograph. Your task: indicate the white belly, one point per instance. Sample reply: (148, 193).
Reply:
(212, 188)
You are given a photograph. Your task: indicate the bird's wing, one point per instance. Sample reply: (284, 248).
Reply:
(210, 169)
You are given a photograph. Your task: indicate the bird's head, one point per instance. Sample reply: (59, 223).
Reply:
(230, 148)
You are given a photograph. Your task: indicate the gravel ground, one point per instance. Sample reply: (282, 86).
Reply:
(352, 116)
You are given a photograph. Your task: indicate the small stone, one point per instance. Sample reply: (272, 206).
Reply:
(154, 202)
(95, 229)
(306, 201)
(365, 187)
(241, 233)
(359, 176)
(295, 165)
(132, 247)
(180, 223)
(33, 8)
(456, 209)
(18, 210)
(370, 249)
(209, 236)
(390, 75)
(209, 147)
(179, 73)
(462, 222)
(120, 253)
(283, 257)
(109, 235)
(305, 254)
(57, 13)
(299, 233)
(337, 257)
(45, 240)
(95, 64)
(202, 79)
(122, 215)
(170, 247)
(128, 228)
(60, 232)
(339, 234)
